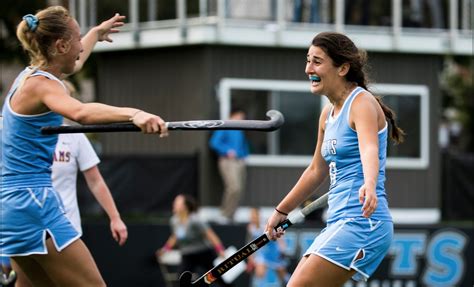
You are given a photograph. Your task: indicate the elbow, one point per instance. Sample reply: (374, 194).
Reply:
(81, 116)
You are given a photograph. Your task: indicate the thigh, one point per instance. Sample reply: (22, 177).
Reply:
(316, 271)
(73, 266)
(26, 265)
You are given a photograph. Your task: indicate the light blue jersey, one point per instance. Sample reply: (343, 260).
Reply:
(349, 240)
(27, 154)
(29, 206)
(340, 149)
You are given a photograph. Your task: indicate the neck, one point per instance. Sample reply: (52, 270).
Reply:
(183, 216)
(52, 69)
(338, 97)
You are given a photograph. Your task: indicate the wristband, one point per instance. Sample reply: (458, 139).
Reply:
(131, 118)
(281, 212)
(219, 248)
(167, 247)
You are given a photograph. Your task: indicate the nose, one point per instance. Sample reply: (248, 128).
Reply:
(308, 69)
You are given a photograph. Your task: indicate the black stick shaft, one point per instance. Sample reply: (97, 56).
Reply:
(243, 253)
(253, 246)
(275, 122)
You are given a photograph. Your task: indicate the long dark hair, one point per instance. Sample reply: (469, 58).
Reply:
(190, 202)
(342, 50)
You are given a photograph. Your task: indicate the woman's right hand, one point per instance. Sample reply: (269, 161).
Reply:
(150, 123)
(108, 27)
(273, 221)
(159, 253)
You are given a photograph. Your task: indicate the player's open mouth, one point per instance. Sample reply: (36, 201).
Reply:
(314, 79)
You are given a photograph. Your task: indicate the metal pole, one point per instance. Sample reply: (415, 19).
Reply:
(467, 11)
(72, 8)
(221, 17)
(134, 19)
(325, 11)
(280, 18)
(181, 15)
(396, 22)
(83, 15)
(152, 10)
(92, 13)
(203, 8)
(339, 15)
(453, 21)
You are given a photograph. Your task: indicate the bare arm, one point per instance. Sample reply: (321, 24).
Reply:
(102, 194)
(98, 34)
(311, 178)
(169, 244)
(52, 95)
(364, 115)
(215, 241)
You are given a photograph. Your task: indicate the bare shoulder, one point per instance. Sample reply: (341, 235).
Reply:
(324, 115)
(366, 107)
(41, 85)
(365, 102)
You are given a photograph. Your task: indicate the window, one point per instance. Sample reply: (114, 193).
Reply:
(294, 143)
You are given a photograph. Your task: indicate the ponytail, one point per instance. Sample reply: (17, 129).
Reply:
(396, 133)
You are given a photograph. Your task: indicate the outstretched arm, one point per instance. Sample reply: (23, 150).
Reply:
(215, 241)
(169, 244)
(102, 194)
(96, 34)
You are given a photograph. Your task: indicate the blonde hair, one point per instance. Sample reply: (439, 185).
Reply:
(38, 40)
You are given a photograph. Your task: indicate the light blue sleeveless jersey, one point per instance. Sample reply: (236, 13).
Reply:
(27, 154)
(340, 149)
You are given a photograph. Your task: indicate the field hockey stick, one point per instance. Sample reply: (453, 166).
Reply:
(276, 121)
(185, 280)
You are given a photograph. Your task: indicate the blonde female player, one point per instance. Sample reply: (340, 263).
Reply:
(351, 149)
(37, 235)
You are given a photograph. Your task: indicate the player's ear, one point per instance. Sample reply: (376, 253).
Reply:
(344, 69)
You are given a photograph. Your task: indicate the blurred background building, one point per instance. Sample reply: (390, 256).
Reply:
(195, 59)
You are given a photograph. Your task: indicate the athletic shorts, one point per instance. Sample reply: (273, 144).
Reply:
(341, 242)
(27, 215)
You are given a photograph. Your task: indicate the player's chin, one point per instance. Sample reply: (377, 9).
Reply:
(316, 90)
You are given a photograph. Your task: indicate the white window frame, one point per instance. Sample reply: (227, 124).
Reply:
(228, 84)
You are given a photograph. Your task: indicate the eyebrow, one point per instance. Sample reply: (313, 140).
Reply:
(314, 57)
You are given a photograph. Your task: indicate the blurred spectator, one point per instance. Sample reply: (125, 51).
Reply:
(232, 148)
(357, 12)
(7, 274)
(299, 7)
(251, 9)
(457, 86)
(269, 257)
(417, 14)
(198, 243)
(443, 133)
